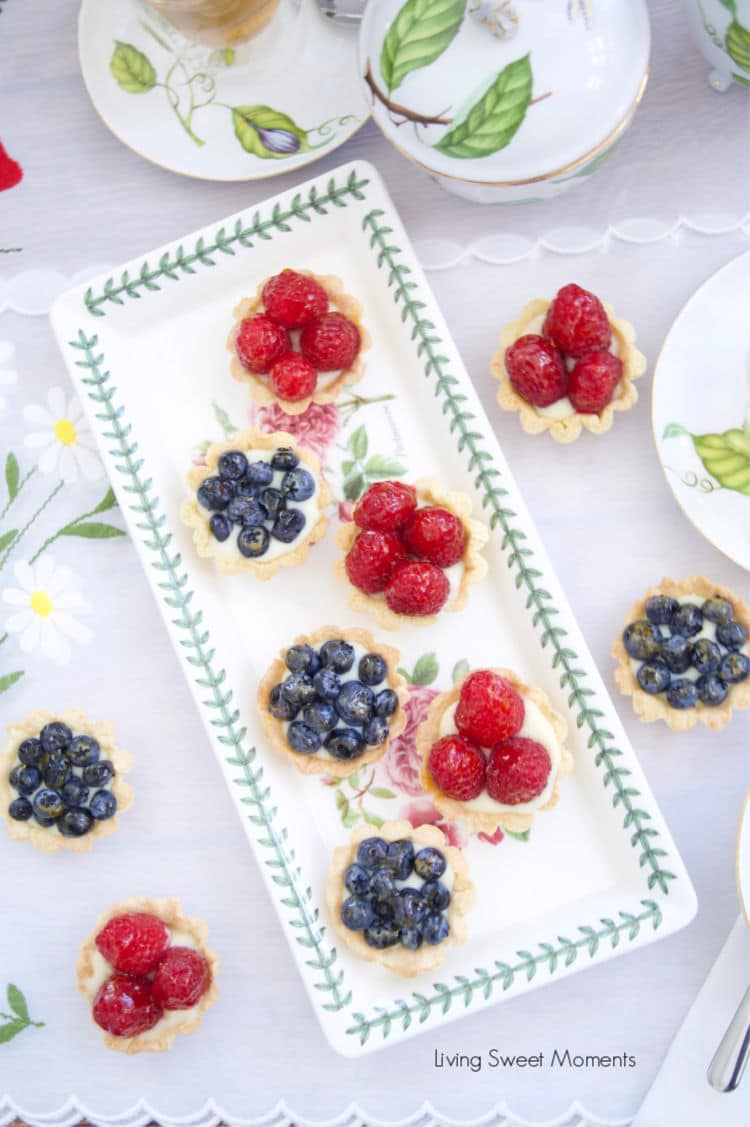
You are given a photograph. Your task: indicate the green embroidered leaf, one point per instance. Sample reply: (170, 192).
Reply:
(9, 680)
(6, 538)
(674, 430)
(131, 69)
(12, 475)
(358, 443)
(726, 457)
(17, 1003)
(421, 31)
(381, 792)
(493, 121)
(426, 670)
(11, 1030)
(460, 669)
(222, 418)
(267, 133)
(108, 501)
(378, 467)
(93, 530)
(738, 44)
(354, 487)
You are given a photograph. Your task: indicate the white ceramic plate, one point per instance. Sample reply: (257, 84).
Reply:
(257, 111)
(599, 875)
(743, 859)
(700, 410)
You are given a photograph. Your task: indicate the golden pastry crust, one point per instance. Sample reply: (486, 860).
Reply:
(571, 426)
(652, 706)
(197, 518)
(49, 840)
(486, 821)
(398, 959)
(429, 492)
(158, 1039)
(260, 391)
(274, 728)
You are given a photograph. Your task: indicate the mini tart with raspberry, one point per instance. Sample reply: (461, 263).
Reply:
(62, 780)
(421, 942)
(683, 654)
(537, 722)
(148, 938)
(563, 421)
(257, 504)
(329, 384)
(395, 527)
(334, 723)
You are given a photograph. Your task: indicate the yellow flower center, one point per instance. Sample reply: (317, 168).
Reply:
(65, 432)
(41, 603)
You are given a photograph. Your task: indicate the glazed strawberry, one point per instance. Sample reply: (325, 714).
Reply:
(457, 767)
(124, 1006)
(372, 559)
(577, 322)
(436, 535)
(536, 370)
(260, 342)
(293, 299)
(292, 377)
(517, 771)
(489, 709)
(133, 943)
(330, 342)
(593, 381)
(181, 979)
(417, 588)
(386, 506)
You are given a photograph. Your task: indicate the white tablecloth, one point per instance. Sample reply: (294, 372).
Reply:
(604, 510)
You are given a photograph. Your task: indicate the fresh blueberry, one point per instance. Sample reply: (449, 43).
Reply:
(288, 525)
(321, 716)
(712, 690)
(660, 608)
(429, 863)
(83, 750)
(301, 659)
(718, 610)
(732, 635)
(371, 852)
(98, 774)
(705, 656)
(640, 639)
(232, 465)
(376, 731)
(676, 653)
(74, 791)
(298, 484)
(215, 494)
(435, 929)
(273, 501)
(25, 779)
(383, 910)
(344, 743)
(354, 703)
(55, 736)
(356, 913)
(409, 908)
(734, 667)
(338, 655)
(357, 879)
(57, 771)
(279, 706)
(687, 620)
(385, 703)
(248, 489)
(654, 676)
(298, 689)
(284, 459)
(252, 540)
(103, 805)
(411, 938)
(381, 935)
(400, 858)
(682, 694)
(75, 822)
(383, 885)
(259, 473)
(327, 684)
(436, 895)
(47, 804)
(31, 753)
(372, 669)
(303, 738)
(221, 528)
(246, 511)
(20, 809)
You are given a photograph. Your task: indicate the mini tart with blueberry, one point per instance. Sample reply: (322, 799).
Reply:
(333, 701)
(567, 365)
(259, 503)
(62, 780)
(298, 341)
(683, 655)
(410, 552)
(148, 974)
(400, 898)
(493, 752)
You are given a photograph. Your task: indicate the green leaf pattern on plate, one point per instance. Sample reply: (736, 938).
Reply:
(421, 31)
(267, 133)
(726, 456)
(493, 121)
(131, 69)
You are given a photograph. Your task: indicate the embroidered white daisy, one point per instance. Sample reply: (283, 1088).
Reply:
(46, 600)
(64, 440)
(8, 374)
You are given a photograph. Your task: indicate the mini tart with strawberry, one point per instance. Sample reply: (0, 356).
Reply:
(62, 780)
(400, 898)
(411, 552)
(333, 701)
(493, 752)
(148, 974)
(684, 656)
(567, 365)
(298, 341)
(257, 504)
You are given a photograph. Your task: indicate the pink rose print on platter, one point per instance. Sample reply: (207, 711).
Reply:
(346, 511)
(425, 814)
(401, 761)
(316, 428)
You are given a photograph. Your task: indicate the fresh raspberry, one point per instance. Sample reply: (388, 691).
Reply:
(489, 709)
(457, 767)
(577, 321)
(536, 370)
(259, 342)
(386, 506)
(436, 535)
(133, 943)
(417, 588)
(371, 560)
(292, 377)
(293, 299)
(593, 381)
(330, 342)
(181, 979)
(517, 771)
(124, 1006)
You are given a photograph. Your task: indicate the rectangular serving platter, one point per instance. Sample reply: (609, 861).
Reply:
(597, 876)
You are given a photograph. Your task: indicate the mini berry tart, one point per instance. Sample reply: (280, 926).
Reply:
(298, 341)
(567, 365)
(258, 503)
(684, 655)
(410, 552)
(333, 700)
(62, 780)
(493, 752)
(147, 973)
(400, 898)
